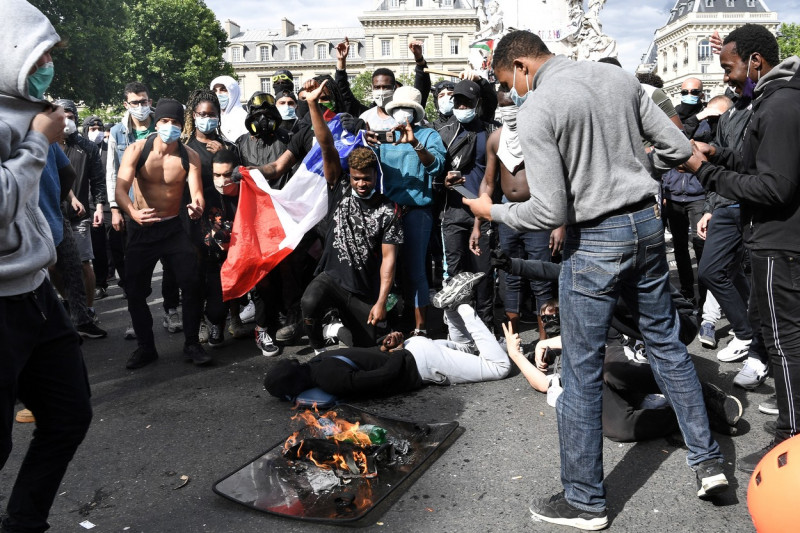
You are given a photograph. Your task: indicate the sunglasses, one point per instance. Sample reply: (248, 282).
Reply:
(280, 77)
(262, 98)
(693, 92)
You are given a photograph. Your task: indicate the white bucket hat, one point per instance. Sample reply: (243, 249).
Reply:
(410, 98)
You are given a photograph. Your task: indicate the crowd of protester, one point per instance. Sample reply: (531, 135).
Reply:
(548, 196)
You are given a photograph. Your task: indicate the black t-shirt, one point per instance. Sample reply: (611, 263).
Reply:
(255, 152)
(210, 194)
(357, 230)
(379, 373)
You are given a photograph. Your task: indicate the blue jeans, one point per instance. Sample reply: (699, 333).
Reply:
(417, 224)
(624, 256)
(526, 245)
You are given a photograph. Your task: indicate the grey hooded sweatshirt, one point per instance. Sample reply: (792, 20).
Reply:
(26, 245)
(581, 131)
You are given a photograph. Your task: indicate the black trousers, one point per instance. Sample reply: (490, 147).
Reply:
(216, 309)
(776, 296)
(169, 242)
(100, 248)
(325, 293)
(456, 230)
(42, 365)
(682, 218)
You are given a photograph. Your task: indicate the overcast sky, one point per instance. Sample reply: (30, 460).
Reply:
(631, 23)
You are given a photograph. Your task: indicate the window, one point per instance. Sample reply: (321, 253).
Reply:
(394, 3)
(266, 85)
(730, 3)
(386, 47)
(751, 3)
(353, 53)
(263, 53)
(447, 3)
(454, 46)
(294, 52)
(419, 3)
(704, 50)
(322, 51)
(709, 3)
(236, 54)
(297, 80)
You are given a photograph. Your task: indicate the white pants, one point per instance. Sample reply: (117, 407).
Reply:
(446, 362)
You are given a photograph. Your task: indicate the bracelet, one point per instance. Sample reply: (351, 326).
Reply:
(419, 147)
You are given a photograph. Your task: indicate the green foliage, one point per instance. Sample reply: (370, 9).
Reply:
(172, 46)
(108, 114)
(362, 89)
(86, 70)
(789, 40)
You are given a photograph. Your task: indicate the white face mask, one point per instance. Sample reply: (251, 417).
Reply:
(446, 105)
(140, 113)
(382, 97)
(70, 127)
(97, 136)
(401, 115)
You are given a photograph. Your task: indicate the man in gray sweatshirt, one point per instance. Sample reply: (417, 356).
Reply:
(40, 360)
(581, 127)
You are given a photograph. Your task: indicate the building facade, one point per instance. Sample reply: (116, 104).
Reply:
(446, 27)
(681, 48)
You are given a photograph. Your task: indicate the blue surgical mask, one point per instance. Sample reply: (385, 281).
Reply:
(206, 124)
(169, 133)
(39, 81)
(464, 116)
(446, 105)
(370, 195)
(690, 99)
(287, 112)
(223, 101)
(514, 95)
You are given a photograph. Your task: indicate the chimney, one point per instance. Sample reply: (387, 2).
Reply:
(287, 28)
(304, 27)
(232, 29)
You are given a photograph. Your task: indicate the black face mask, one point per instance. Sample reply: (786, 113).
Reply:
(263, 122)
(552, 325)
(302, 108)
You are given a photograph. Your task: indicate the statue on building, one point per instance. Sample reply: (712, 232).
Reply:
(491, 20)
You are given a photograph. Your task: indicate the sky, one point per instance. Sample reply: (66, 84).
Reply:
(631, 22)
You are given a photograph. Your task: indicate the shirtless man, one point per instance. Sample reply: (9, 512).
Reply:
(161, 167)
(504, 157)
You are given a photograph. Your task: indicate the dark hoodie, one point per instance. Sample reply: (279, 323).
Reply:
(765, 178)
(26, 244)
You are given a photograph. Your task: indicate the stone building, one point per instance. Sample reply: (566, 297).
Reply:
(446, 27)
(681, 48)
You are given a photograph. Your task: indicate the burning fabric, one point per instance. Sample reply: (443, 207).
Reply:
(348, 449)
(336, 466)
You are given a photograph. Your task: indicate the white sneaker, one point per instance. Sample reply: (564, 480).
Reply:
(202, 333)
(173, 321)
(248, 314)
(735, 350)
(129, 333)
(265, 343)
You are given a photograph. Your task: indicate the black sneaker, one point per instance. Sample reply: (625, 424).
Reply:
(91, 331)
(141, 357)
(100, 293)
(771, 426)
(724, 406)
(711, 479)
(557, 510)
(216, 335)
(769, 406)
(749, 462)
(196, 354)
(458, 290)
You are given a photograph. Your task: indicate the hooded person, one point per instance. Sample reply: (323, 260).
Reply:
(42, 362)
(233, 114)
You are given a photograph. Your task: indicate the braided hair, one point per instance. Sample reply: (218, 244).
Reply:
(196, 97)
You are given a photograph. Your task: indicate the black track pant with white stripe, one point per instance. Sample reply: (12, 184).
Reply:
(776, 293)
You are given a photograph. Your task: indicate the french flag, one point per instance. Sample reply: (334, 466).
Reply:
(270, 223)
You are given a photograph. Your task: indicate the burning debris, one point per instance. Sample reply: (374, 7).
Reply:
(337, 466)
(348, 449)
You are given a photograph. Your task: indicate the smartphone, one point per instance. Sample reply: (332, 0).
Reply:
(383, 136)
(463, 191)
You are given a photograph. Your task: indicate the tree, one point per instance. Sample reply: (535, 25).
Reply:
(86, 69)
(172, 46)
(789, 40)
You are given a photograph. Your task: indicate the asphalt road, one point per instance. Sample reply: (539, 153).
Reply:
(171, 419)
